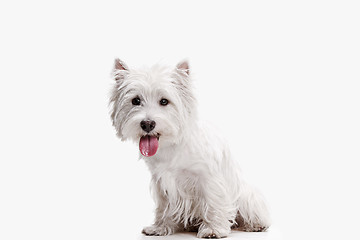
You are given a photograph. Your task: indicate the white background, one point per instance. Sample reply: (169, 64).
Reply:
(280, 78)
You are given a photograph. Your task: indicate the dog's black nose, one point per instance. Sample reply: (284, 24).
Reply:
(147, 125)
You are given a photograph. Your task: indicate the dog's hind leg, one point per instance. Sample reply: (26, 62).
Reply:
(253, 215)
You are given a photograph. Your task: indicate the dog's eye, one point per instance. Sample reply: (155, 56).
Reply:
(136, 101)
(164, 102)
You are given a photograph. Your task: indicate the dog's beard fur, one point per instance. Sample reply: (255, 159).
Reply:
(196, 184)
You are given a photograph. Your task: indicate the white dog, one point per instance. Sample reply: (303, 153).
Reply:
(196, 184)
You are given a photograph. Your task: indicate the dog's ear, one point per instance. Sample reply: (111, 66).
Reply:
(120, 70)
(183, 67)
(120, 65)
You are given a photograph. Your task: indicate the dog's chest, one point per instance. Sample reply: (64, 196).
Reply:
(179, 184)
(177, 177)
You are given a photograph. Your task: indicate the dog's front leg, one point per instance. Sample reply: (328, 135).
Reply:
(163, 226)
(216, 211)
(163, 223)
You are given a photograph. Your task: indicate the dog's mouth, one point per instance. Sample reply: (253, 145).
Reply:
(149, 144)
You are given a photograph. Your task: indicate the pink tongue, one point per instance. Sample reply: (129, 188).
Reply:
(148, 145)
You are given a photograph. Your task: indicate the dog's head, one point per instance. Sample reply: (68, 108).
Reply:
(153, 107)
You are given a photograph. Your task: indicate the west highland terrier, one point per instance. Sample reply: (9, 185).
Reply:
(196, 184)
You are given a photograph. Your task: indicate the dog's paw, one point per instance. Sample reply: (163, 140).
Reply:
(157, 230)
(207, 232)
(255, 228)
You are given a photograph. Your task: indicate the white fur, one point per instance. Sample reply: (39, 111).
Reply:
(195, 181)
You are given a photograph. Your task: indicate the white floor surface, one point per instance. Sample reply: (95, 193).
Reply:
(272, 234)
